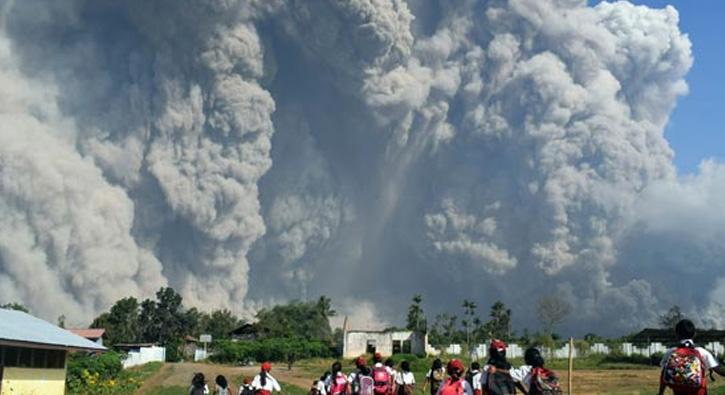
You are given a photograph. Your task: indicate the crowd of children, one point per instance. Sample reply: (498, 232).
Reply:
(684, 371)
(262, 384)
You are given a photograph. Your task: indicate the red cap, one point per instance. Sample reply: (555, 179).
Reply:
(377, 356)
(360, 361)
(455, 366)
(247, 381)
(498, 345)
(266, 366)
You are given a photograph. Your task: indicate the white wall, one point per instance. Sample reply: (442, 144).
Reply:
(144, 356)
(356, 342)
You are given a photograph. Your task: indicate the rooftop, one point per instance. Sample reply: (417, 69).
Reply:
(22, 329)
(88, 333)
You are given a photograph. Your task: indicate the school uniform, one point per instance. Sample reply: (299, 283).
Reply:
(404, 378)
(467, 389)
(271, 386)
(709, 361)
(476, 382)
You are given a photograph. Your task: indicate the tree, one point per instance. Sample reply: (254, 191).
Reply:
(552, 310)
(61, 321)
(324, 305)
(295, 320)
(15, 306)
(416, 316)
(220, 323)
(671, 317)
(469, 312)
(499, 326)
(121, 322)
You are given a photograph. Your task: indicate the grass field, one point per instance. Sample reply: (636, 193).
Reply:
(591, 376)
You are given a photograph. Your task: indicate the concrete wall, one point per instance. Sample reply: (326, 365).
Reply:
(27, 381)
(144, 356)
(356, 342)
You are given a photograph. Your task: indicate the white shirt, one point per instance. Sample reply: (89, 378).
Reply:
(467, 390)
(710, 361)
(477, 380)
(322, 385)
(404, 378)
(206, 389)
(271, 386)
(520, 375)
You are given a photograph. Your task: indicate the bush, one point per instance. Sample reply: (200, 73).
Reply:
(99, 374)
(274, 349)
(106, 366)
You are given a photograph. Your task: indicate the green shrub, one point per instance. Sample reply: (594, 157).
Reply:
(275, 350)
(106, 366)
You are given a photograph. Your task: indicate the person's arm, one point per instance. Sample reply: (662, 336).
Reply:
(521, 387)
(275, 386)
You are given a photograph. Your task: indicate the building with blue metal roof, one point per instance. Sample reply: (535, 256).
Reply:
(33, 354)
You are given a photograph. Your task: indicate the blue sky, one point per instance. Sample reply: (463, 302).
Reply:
(697, 127)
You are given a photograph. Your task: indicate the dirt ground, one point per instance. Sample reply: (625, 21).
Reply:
(179, 374)
(615, 382)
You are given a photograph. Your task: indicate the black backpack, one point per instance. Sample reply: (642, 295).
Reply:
(247, 390)
(500, 383)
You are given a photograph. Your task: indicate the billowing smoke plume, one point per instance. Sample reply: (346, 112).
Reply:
(249, 151)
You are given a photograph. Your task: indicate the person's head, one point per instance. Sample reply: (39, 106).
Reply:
(336, 368)
(455, 369)
(198, 380)
(437, 364)
(221, 381)
(247, 381)
(266, 367)
(475, 366)
(389, 363)
(360, 362)
(533, 357)
(497, 349)
(377, 358)
(405, 366)
(685, 329)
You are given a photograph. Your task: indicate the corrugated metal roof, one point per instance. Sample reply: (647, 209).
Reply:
(16, 326)
(91, 333)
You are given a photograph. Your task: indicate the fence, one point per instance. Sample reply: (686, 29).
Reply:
(480, 351)
(144, 355)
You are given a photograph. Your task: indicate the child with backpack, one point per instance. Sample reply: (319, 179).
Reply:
(435, 377)
(496, 376)
(405, 380)
(338, 383)
(390, 367)
(198, 385)
(455, 384)
(685, 367)
(264, 383)
(538, 379)
(382, 381)
(246, 387)
(359, 378)
(323, 384)
(473, 376)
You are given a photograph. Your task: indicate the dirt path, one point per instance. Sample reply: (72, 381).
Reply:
(179, 374)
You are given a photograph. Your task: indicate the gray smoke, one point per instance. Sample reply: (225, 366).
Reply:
(248, 152)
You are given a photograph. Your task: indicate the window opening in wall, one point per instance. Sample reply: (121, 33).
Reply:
(397, 347)
(371, 347)
(407, 347)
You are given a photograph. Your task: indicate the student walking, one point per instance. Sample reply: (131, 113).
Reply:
(264, 383)
(222, 386)
(473, 376)
(434, 377)
(455, 384)
(496, 377)
(338, 382)
(246, 387)
(535, 376)
(685, 367)
(356, 378)
(198, 385)
(405, 380)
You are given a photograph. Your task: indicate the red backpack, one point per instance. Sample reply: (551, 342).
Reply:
(544, 382)
(338, 385)
(381, 379)
(684, 370)
(452, 388)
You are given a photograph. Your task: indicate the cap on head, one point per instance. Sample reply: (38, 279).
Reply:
(377, 357)
(360, 361)
(267, 366)
(498, 345)
(455, 367)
